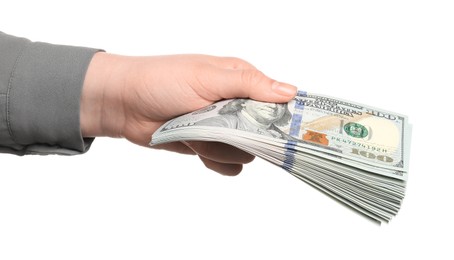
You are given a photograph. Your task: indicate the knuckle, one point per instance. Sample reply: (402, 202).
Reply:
(253, 77)
(237, 63)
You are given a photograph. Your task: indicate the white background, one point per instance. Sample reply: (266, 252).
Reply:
(120, 201)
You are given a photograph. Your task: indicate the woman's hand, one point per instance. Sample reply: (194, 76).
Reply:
(131, 97)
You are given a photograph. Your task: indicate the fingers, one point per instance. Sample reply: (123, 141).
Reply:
(222, 168)
(177, 147)
(220, 152)
(220, 157)
(256, 85)
(235, 78)
(232, 63)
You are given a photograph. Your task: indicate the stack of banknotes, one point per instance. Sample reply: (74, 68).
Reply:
(354, 153)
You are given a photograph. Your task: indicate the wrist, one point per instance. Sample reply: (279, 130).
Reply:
(101, 110)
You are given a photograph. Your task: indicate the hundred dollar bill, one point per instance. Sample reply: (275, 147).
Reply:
(346, 132)
(351, 130)
(352, 152)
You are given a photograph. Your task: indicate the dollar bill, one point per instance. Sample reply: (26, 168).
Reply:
(355, 153)
(329, 127)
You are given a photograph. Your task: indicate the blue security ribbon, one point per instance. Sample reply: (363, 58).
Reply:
(289, 155)
(295, 128)
(297, 117)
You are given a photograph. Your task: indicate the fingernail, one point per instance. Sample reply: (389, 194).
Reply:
(283, 89)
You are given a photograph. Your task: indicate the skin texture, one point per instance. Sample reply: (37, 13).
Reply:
(131, 97)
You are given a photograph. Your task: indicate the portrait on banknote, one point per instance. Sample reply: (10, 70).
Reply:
(252, 116)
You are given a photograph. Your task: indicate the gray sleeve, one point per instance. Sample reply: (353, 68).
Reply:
(40, 90)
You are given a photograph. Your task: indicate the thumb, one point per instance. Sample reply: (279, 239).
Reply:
(252, 83)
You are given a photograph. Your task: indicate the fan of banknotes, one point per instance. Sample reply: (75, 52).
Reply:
(354, 153)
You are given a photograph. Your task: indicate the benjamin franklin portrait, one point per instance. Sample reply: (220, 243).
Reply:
(252, 116)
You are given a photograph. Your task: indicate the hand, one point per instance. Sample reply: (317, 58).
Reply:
(131, 97)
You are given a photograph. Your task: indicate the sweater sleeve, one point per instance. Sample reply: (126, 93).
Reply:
(40, 90)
